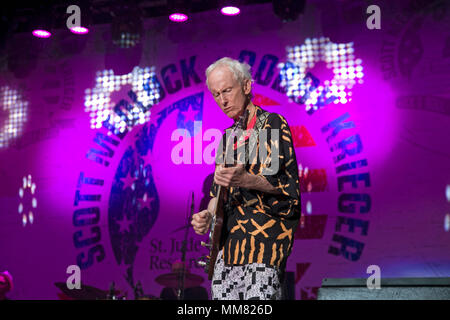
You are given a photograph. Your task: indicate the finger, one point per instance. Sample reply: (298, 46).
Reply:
(229, 172)
(226, 170)
(216, 181)
(200, 229)
(203, 214)
(197, 219)
(218, 168)
(201, 233)
(225, 182)
(223, 179)
(218, 175)
(196, 224)
(225, 175)
(199, 224)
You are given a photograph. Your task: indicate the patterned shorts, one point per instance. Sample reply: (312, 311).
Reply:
(253, 281)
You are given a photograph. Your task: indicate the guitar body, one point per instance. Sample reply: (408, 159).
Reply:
(215, 235)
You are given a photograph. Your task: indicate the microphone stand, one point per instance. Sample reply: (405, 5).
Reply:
(181, 275)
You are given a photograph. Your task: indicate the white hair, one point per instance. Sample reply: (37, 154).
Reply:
(240, 70)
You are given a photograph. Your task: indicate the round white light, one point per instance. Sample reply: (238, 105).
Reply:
(230, 11)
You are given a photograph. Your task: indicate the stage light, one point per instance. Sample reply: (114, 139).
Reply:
(100, 108)
(126, 28)
(288, 10)
(304, 87)
(230, 11)
(178, 10)
(41, 21)
(308, 207)
(16, 110)
(28, 187)
(178, 17)
(79, 30)
(447, 216)
(39, 33)
(85, 21)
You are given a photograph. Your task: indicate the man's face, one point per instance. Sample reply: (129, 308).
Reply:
(228, 93)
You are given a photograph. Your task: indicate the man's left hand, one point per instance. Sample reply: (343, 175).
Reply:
(235, 176)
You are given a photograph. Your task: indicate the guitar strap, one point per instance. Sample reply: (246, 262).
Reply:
(253, 139)
(254, 135)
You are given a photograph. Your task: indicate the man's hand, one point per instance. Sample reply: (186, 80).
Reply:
(235, 176)
(201, 221)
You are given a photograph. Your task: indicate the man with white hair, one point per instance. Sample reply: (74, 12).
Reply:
(262, 208)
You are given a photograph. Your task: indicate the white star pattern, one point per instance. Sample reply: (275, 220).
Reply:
(189, 114)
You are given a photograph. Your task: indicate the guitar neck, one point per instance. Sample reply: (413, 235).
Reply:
(218, 198)
(229, 147)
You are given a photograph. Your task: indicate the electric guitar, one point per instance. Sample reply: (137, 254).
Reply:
(215, 233)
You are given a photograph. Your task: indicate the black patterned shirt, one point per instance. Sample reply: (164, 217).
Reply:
(260, 227)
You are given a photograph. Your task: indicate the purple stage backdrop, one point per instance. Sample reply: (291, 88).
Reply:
(371, 137)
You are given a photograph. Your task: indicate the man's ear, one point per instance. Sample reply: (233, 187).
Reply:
(247, 86)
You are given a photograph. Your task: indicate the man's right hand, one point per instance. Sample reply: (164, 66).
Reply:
(201, 222)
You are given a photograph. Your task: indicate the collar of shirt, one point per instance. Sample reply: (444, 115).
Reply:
(249, 130)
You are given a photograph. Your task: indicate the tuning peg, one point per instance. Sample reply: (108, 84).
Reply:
(204, 244)
(201, 263)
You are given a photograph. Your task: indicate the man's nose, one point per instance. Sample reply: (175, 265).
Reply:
(223, 100)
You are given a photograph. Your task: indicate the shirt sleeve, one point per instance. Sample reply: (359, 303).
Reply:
(286, 178)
